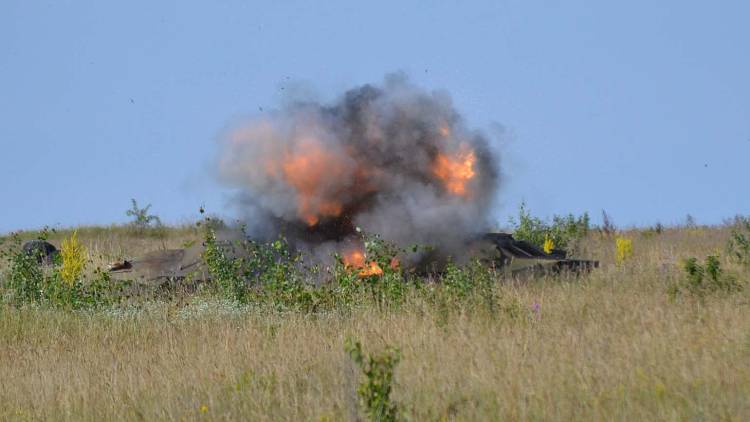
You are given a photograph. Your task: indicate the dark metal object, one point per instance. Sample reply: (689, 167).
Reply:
(518, 256)
(163, 267)
(43, 251)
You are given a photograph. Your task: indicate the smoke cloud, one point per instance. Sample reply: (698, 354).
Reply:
(391, 159)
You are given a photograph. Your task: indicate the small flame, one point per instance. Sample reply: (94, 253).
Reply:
(355, 259)
(455, 171)
(371, 269)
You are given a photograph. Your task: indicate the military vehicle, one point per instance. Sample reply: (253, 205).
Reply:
(516, 257)
(499, 250)
(164, 267)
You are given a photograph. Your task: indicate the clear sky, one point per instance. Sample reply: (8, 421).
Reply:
(641, 108)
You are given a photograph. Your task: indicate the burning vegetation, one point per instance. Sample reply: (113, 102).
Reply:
(392, 159)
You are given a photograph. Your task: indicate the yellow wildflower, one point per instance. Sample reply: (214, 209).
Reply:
(204, 409)
(624, 250)
(73, 258)
(549, 244)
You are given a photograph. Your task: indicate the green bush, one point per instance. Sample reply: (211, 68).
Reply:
(563, 231)
(225, 271)
(706, 278)
(375, 390)
(265, 273)
(29, 282)
(25, 277)
(460, 283)
(738, 245)
(142, 220)
(388, 288)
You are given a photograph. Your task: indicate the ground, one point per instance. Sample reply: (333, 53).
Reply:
(615, 344)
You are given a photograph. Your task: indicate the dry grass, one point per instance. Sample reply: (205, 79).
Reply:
(608, 346)
(114, 243)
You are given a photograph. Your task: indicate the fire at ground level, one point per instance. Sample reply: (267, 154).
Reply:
(501, 251)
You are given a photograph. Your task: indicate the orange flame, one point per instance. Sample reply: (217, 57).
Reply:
(308, 169)
(356, 259)
(455, 171)
(371, 269)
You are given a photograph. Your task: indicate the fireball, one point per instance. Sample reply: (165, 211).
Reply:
(455, 171)
(317, 175)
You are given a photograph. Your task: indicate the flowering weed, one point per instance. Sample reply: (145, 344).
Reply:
(74, 258)
(624, 250)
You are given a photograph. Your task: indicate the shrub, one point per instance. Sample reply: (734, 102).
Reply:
(738, 245)
(455, 282)
(224, 269)
(388, 287)
(265, 273)
(381, 281)
(706, 278)
(561, 232)
(25, 277)
(469, 288)
(141, 218)
(375, 390)
(61, 285)
(462, 282)
(529, 228)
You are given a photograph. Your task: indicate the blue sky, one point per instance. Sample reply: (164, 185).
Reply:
(640, 108)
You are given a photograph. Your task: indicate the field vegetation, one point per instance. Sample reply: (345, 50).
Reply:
(660, 331)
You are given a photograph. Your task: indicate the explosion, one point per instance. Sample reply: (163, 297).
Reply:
(455, 172)
(392, 159)
(305, 169)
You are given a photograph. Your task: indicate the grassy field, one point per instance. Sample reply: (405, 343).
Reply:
(612, 345)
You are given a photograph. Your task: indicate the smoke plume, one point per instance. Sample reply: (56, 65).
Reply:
(391, 159)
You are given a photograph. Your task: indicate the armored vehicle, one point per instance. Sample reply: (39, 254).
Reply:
(499, 250)
(517, 256)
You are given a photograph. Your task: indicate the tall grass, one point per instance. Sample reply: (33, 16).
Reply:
(610, 345)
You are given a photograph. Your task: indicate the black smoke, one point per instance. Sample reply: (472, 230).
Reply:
(391, 159)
